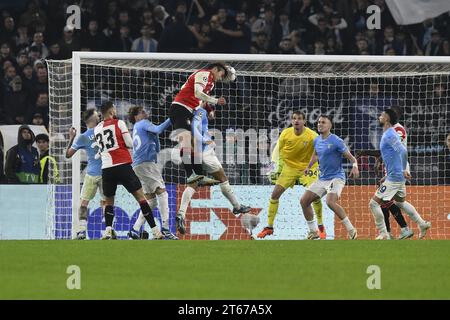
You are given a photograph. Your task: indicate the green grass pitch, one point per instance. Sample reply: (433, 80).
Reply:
(225, 269)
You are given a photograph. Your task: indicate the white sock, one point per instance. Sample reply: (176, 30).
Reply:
(410, 211)
(312, 225)
(188, 193)
(378, 216)
(153, 203)
(163, 200)
(82, 224)
(155, 231)
(227, 191)
(347, 224)
(139, 222)
(108, 229)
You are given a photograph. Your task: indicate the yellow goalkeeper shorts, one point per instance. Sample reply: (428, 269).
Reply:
(290, 176)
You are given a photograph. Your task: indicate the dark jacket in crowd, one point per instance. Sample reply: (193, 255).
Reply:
(22, 161)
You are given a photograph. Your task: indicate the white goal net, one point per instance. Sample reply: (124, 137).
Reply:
(352, 90)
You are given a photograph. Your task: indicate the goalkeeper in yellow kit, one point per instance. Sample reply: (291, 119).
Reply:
(291, 156)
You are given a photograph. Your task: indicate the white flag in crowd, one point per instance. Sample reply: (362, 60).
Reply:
(416, 11)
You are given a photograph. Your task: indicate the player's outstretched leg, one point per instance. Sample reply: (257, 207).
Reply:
(414, 215)
(405, 232)
(332, 199)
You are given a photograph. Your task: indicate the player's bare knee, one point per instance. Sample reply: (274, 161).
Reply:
(277, 192)
(305, 202)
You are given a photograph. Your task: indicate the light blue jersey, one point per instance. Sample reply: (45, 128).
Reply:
(329, 151)
(87, 142)
(394, 155)
(146, 141)
(200, 127)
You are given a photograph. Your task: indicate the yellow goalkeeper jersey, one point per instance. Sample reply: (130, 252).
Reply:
(295, 150)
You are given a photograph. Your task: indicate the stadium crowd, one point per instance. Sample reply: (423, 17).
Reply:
(33, 31)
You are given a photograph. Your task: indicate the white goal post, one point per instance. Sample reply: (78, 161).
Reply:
(352, 89)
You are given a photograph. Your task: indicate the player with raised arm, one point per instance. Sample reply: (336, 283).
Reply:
(395, 158)
(210, 164)
(114, 140)
(146, 147)
(195, 90)
(329, 150)
(291, 156)
(93, 178)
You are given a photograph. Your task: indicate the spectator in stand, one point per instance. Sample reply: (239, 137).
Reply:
(224, 19)
(285, 46)
(146, 43)
(10, 73)
(41, 106)
(202, 33)
(388, 38)
(322, 29)
(22, 40)
(41, 83)
(123, 42)
(331, 48)
(434, 46)
(16, 103)
(69, 43)
(282, 27)
(219, 40)
(319, 47)
(361, 46)
(261, 44)
(176, 37)
(240, 34)
(42, 142)
(162, 20)
(37, 119)
(93, 39)
(5, 53)
(297, 42)
(22, 161)
(111, 32)
(55, 52)
(38, 42)
(28, 79)
(33, 16)
(147, 17)
(264, 23)
(22, 60)
(8, 32)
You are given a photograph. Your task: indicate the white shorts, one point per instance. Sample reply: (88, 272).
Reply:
(210, 163)
(90, 186)
(150, 176)
(389, 189)
(322, 187)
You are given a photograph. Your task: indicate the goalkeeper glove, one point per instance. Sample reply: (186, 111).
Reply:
(274, 173)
